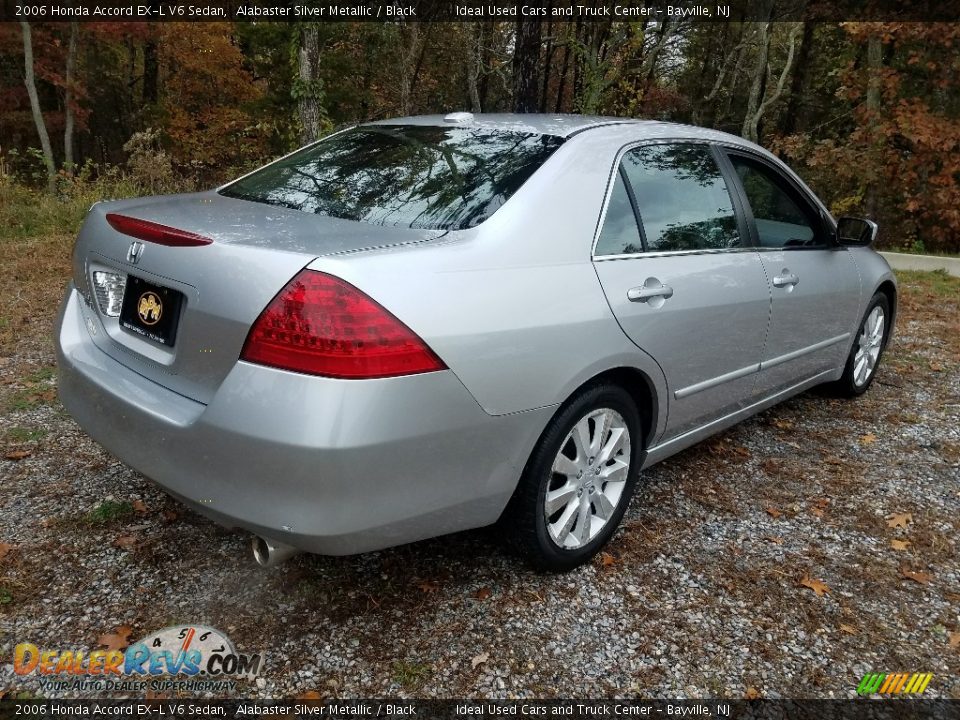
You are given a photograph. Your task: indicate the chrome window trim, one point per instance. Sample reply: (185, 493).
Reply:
(672, 253)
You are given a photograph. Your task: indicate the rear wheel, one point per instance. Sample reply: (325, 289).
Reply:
(868, 347)
(579, 480)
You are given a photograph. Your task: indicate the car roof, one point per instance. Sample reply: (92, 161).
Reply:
(565, 125)
(561, 125)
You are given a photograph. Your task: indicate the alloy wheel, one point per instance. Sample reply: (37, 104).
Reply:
(869, 344)
(588, 478)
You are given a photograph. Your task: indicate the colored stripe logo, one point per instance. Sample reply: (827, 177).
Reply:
(894, 683)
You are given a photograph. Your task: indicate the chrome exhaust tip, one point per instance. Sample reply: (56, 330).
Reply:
(268, 553)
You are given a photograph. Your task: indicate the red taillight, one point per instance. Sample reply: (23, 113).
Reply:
(155, 232)
(321, 325)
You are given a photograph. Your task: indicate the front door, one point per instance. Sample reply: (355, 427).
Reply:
(814, 283)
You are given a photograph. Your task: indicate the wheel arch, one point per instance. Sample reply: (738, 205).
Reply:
(889, 289)
(641, 389)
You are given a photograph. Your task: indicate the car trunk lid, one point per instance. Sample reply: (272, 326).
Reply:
(255, 250)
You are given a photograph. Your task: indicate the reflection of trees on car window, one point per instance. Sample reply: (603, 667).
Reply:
(415, 176)
(681, 197)
(780, 221)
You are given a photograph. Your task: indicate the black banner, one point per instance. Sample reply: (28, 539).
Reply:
(853, 709)
(477, 10)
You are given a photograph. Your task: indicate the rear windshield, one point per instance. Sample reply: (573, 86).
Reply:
(445, 178)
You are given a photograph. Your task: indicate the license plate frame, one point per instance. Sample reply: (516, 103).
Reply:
(151, 311)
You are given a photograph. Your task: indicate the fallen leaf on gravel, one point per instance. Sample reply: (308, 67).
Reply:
(819, 506)
(139, 507)
(954, 639)
(606, 559)
(125, 541)
(774, 540)
(483, 593)
(848, 629)
(818, 586)
(4, 549)
(915, 575)
(899, 544)
(117, 640)
(168, 516)
(18, 454)
(782, 424)
(479, 659)
(868, 439)
(751, 694)
(311, 695)
(428, 586)
(833, 460)
(773, 512)
(935, 366)
(899, 519)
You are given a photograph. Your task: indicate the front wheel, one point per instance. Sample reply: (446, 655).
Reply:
(579, 480)
(867, 349)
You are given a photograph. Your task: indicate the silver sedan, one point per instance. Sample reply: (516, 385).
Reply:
(423, 325)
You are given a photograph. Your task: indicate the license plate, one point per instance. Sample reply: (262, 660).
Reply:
(151, 311)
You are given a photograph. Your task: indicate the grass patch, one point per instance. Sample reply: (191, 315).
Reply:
(29, 213)
(109, 511)
(24, 434)
(935, 282)
(6, 596)
(409, 675)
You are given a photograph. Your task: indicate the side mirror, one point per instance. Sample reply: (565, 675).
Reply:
(858, 232)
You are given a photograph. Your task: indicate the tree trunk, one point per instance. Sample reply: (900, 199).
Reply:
(749, 129)
(31, 84)
(751, 123)
(548, 61)
(68, 100)
(801, 78)
(308, 96)
(562, 82)
(473, 65)
(409, 67)
(874, 65)
(526, 66)
(151, 69)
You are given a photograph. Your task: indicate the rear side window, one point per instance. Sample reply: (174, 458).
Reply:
(781, 222)
(620, 234)
(445, 178)
(681, 197)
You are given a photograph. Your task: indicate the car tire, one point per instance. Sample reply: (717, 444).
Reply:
(868, 346)
(588, 492)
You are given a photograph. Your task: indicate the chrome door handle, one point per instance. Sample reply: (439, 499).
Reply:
(646, 292)
(785, 278)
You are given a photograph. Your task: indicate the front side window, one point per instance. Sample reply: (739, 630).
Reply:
(681, 197)
(781, 222)
(445, 178)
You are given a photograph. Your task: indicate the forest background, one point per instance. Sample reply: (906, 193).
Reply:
(867, 112)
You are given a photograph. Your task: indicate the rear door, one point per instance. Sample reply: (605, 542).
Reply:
(675, 263)
(814, 283)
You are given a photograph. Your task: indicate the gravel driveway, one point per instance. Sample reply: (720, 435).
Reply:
(786, 557)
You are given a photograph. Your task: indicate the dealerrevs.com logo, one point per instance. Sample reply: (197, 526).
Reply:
(894, 683)
(183, 657)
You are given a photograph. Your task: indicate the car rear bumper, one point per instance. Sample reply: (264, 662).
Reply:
(328, 466)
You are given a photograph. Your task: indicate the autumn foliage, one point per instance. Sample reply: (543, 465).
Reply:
(868, 113)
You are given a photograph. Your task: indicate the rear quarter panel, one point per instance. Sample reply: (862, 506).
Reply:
(514, 306)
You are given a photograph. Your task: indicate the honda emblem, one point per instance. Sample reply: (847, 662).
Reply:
(135, 251)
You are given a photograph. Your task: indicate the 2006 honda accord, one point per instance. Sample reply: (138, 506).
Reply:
(423, 325)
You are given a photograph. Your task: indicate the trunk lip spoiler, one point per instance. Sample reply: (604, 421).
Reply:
(156, 233)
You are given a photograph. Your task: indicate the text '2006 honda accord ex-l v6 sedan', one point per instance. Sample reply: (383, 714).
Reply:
(423, 325)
